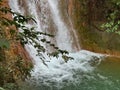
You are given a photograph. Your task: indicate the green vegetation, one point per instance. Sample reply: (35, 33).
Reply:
(14, 69)
(112, 23)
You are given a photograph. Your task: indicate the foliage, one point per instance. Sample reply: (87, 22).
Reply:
(110, 13)
(112, 23)
(29, 35)
(12, 68)
(15, 69)
(4, 43)
(2, 88)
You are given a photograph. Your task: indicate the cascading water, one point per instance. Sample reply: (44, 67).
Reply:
(57, 74)
(64, 40)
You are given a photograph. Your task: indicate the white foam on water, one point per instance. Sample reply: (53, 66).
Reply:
(58, 71)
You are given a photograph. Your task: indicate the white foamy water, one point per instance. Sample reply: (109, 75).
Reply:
(56, 71)
(64, 40)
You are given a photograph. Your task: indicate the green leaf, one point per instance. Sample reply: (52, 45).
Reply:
(2, 88)
(12, 32)
(4, 43)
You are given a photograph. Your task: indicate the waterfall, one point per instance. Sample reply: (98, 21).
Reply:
(48, 18)
(64, 40)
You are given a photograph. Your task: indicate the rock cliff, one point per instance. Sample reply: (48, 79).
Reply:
(87, 16)
(15, 47)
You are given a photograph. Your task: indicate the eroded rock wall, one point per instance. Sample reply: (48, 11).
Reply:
(16, 48)
(87, 16)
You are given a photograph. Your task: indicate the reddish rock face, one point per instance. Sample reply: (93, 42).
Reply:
(85, 19)
(16, 48)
